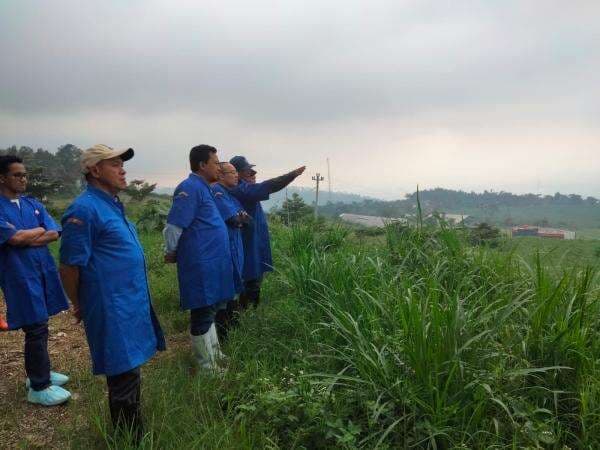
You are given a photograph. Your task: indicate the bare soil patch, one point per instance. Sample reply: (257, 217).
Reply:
(21, 423)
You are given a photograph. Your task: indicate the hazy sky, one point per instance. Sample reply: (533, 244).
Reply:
(460, 94)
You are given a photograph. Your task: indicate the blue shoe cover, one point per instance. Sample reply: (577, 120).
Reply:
(51, 396)
(56, 379)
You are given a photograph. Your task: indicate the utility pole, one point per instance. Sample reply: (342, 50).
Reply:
(318, 178)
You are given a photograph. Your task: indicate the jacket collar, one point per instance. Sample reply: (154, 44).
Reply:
(195, 176)
(113, 200)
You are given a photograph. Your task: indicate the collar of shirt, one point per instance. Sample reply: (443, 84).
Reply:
(192, 175)
(10, 201)
(113, 200)
(225, 188)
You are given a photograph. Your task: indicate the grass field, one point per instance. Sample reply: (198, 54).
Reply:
(589, 233)
(557, 254)
(412, 340)
(573, 217)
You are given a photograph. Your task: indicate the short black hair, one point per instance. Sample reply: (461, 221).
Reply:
(200, 154)
(6, 161)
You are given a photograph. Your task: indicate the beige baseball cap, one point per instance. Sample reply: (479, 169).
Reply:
(100, 152)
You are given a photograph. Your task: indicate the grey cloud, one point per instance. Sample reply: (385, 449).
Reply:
(394, 92)
(302, 62)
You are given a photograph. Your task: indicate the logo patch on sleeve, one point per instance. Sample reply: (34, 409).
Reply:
(182, 194)
(75, 221)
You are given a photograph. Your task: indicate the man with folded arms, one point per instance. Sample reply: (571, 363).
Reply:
(257, 245)
(103, 269)
(29, 279)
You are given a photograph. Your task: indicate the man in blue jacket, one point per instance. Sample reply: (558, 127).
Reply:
(196, 238)
(236, 219)
(104, 274)
(257, 245)
(29, 279)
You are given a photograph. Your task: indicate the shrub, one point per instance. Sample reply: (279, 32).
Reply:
(484, 234)
(153, 216)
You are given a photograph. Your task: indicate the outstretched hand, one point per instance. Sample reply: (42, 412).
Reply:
(299, 171)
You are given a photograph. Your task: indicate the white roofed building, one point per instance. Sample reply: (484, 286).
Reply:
(371, 221)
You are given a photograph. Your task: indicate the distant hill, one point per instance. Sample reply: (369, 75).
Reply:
(307, 194)
(499, 208)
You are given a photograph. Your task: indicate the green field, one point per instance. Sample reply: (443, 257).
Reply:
(589, 233)
(413, 339)
(573, 217)
(557, 254)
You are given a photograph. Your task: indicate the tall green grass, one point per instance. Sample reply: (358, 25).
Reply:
(420, 341)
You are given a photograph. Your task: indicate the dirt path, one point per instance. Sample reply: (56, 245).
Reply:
(23, 424)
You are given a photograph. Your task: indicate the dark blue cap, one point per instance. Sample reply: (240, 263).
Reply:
(240, 163)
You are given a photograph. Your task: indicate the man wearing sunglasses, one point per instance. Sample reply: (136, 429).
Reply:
(29, 279)
(236, 219)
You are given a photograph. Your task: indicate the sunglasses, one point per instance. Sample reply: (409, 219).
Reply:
(20, 175)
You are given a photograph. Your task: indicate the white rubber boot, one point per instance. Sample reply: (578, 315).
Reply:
(204, 353)
(201, 352)
(214, 342)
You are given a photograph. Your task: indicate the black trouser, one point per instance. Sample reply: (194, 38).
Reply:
(37, 361)
(226, 319)
(201, 319)
(251, 293)
(124, 397)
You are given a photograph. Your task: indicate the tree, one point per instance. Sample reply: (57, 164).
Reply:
(542, 222)
(139, 189)
(575, 199)
(40, 186)
(485, 234)
(27, 154)
(67, 166)
(293, 209)
(591, 201)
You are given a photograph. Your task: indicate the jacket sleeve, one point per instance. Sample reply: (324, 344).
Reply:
(277, 184)
(246, 192)
(77, 236)
(183, 210)
(7, 230)
(47, 220)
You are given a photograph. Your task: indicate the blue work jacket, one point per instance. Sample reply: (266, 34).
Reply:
(121, 326)
(257, 245)
(229, 207)
(28, 275)
(204, 266)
